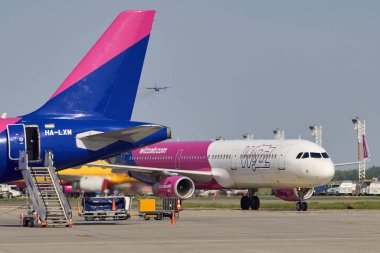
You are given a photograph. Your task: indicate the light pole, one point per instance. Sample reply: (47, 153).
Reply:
(359, 126)
(316, 131)
(279, 134)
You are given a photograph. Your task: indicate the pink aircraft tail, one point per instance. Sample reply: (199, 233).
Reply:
(366, 154)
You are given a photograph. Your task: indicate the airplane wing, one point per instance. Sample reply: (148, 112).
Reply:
(70, 178)
(345, 164)
(95, 140)
(366, 159)
(203, 176)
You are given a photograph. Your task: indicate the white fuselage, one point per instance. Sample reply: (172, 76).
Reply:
(242, 164)
(269, 163)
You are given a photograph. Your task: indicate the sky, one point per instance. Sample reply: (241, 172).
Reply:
(234, 67)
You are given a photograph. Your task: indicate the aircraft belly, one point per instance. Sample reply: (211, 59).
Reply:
(247, 178)
(223, 178)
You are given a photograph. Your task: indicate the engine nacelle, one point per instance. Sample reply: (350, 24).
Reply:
(92, 184)
(292, 194)
(175, 186)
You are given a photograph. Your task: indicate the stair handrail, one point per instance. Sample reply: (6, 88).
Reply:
(56, 183)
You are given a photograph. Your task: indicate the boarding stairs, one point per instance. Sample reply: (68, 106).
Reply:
(48, 199)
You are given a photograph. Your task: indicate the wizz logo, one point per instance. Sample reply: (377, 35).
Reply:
(256, 157)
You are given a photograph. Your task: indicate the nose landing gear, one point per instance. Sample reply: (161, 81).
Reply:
(301, 205)
(250, 201)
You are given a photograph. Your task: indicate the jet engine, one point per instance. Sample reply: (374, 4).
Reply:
(175, 186)
(292, 194)
(92, 184)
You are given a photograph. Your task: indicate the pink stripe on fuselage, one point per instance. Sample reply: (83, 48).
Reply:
(174, 155)
(125, 31)
(5, 122)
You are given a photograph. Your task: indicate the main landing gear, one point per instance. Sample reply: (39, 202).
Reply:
(250, 201)
(301, 205)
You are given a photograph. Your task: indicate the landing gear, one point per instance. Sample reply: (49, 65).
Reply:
(301, 205)
(250, 201)
(245, 203)
(255, 203)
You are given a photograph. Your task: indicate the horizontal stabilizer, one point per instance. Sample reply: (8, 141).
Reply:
(95, 140)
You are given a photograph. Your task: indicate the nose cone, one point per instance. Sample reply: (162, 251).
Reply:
(327, 172)
(320, 172)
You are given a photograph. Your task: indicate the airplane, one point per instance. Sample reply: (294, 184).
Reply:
(175, 169)
(157, 88)
(93, 179)
(88, 179)
(89, 116)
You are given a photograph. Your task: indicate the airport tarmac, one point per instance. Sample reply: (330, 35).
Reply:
(203, 231)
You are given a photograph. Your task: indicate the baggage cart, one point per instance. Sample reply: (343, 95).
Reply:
(105, 208)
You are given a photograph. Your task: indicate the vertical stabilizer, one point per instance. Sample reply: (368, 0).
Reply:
(105, 82)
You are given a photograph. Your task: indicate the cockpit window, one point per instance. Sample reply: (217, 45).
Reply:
(305, 155)
(299, 155)
(315, 155)
(325, 155)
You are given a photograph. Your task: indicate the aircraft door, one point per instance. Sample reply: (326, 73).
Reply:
(282, 158)
(16, 140)
(33, 147)
(178, 159)
(234, 159)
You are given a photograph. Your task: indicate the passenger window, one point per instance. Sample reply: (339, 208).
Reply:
(299, 155)
(325, 155)
(305, 155)
(315, 155)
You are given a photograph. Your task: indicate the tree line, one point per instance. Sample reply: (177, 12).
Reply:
(341, 175)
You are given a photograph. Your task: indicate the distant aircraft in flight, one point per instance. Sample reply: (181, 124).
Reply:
(157, 88)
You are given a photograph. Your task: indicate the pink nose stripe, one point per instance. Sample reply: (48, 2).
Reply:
(125, 31)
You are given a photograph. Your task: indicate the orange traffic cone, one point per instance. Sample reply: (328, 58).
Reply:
(70, 223)
(173, 219)
(179, 205)
(113, 205)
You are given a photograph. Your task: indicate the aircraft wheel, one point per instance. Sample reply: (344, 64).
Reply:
(244, 203)
(298, 206)
(25, 222)
(31, 223)
(303, 206)
(255, 203)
